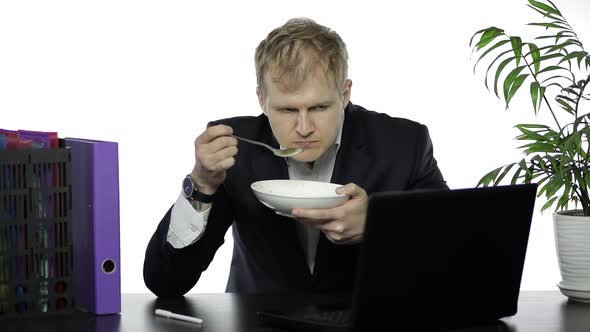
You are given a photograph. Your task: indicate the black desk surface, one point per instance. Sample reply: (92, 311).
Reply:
(545, 311)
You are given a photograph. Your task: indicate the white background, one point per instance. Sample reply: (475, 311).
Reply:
(151, 74)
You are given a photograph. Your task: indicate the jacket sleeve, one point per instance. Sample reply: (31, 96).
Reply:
(170, 272)
(426, 174)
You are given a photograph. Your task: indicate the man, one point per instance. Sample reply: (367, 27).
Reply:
(304, 92)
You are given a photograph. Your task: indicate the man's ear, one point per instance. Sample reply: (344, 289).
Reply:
(260, 95)
(346, 93)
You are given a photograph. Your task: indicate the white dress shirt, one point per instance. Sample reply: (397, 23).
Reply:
(187, 224)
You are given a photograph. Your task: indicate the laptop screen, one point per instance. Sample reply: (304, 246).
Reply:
(443, 258)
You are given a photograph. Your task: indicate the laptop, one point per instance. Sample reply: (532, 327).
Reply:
(431, 260)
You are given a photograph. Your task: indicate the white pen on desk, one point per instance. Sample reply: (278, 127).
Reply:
(169, 314)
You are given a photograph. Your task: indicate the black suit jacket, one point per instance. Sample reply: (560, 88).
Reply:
(377, 152)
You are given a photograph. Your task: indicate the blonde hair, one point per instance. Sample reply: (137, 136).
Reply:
(291, 52)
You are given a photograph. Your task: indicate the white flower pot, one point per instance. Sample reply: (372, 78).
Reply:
(572, 242)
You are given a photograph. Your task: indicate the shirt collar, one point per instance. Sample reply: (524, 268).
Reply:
(339, 136)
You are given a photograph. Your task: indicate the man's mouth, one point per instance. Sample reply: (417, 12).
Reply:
(305, 144)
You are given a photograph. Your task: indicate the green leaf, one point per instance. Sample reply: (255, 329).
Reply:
(548, 57)
(484, 31)
(488, 178)
(562, 203)
(556, 36)
(515, 176)
(499, 70)
(573, 143)
(542, 164)
(540, 182)
(532, 125)
(571, 56)
(547, 9)
(543, 188)
(539, 147)
(569, 140)
(517, 83)
(506, 170)
(554, 7)
(568, 187)
(586, 176)
(586, 132)
(567, 98)
(562, 46)
(498, 44)
(564, 34)
(580, 58)
(528, 174)
(580, 180)
(492, 64)
(517, 47)
(575, 42)
(559, 35)
(535, 94)
(566, 106)
(550, 68)
(488, 36)
(548, 204)
(571, 90)
(553, 186)
(554, 163)
(531, 135)
(545, 14)
(535, 55)
(579, 55)
(510, 78)
(551, 135)
(549, 25)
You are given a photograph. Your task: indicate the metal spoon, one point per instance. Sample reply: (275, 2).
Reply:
(288, 152)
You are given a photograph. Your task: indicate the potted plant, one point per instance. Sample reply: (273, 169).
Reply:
(554, 69)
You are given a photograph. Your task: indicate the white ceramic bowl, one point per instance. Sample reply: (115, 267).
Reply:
(284, 195)
(580, 295)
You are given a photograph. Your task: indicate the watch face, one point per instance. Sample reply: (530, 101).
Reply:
(187, 187)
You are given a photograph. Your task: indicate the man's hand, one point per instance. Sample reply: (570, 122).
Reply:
(214, 155)
(343, 224)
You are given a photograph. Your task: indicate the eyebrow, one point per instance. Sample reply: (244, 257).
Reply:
(311, 107)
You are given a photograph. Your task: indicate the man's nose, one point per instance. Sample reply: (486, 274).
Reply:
(304, 124)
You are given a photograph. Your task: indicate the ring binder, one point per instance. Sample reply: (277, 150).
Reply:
(95, 201)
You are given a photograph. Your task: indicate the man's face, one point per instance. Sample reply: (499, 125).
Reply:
(309, 116)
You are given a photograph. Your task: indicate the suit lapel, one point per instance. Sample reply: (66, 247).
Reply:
(352, 165)
(352, 161)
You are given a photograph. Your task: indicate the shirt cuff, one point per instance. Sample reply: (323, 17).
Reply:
(186, 223)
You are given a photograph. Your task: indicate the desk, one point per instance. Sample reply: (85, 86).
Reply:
(546, 311)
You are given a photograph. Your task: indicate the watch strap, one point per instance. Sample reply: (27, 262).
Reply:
(197, 195)
(201, 197)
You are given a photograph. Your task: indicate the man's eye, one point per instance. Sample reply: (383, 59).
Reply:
(320, 108)
(287, 110)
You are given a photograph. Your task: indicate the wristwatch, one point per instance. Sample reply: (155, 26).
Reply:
(192, 193)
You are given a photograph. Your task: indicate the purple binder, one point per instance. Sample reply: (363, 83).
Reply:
(95, 225)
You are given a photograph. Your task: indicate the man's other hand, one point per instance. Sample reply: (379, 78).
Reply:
(343, 224)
